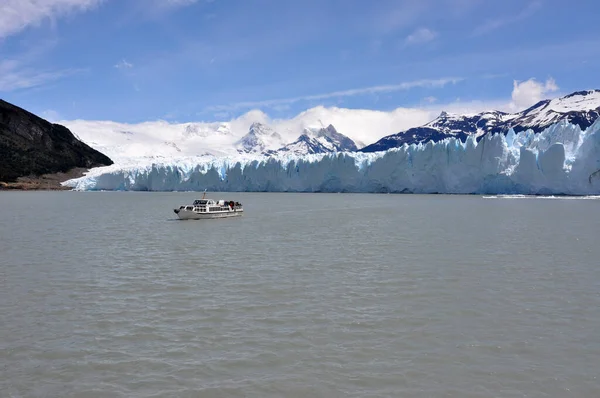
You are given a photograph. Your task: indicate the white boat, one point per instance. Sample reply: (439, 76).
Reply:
(208, 208)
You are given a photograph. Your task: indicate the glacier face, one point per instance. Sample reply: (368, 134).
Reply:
(562, 159)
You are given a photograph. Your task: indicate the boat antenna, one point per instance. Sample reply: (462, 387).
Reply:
(204, 194)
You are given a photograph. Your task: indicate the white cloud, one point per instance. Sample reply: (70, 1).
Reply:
(362, 125)
(336, 94)
(493, 24)
(17, 15)
(531, 91)
(123, 64)
(14, 75)
(160, 138)
(121, 140)
(420, 36)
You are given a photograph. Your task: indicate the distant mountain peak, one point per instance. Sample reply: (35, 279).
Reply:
(200, 130)
(320, 140)
(328, 131)
(258, 127)
(259, 139)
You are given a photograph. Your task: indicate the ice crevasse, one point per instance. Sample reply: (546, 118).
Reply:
(562, 159)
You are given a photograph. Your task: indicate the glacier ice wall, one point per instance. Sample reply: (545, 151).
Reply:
(562, 159)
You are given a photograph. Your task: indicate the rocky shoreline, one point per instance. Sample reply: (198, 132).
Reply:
(45, 182)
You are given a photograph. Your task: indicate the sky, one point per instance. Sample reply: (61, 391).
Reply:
(131, 61)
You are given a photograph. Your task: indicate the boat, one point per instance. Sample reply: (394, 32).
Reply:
(206, 208)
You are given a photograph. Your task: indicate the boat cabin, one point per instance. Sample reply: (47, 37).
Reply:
(210, 206)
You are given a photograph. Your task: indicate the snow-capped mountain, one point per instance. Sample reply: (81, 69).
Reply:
(562, 159)
(160, 139)
(206, 130)
(339, 141)
(307, 133)
(260, 139)
(581, 108)
(552, 147)
(323, 140)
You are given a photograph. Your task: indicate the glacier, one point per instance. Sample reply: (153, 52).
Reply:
(563, 159)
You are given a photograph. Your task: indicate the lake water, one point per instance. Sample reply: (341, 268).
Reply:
(307, 295)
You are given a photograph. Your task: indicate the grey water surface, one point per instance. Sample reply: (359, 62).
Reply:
(106, 294)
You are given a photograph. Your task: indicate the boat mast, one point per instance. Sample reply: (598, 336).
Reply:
(204, 194)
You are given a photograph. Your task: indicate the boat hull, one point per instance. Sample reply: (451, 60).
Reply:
(192, 215)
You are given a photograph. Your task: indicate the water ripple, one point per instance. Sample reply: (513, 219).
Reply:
(306, 295)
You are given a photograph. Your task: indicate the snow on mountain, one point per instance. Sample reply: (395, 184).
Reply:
(581, 108)
(562, 159)
(305, 145)
(339, 142)
(154, 139)
(161, 139)
(319, 140)
(260, 139)
(187, 155)
(361, 125)
(206, 129)
(478, 124)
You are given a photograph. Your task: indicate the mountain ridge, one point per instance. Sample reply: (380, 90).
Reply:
(581, 108)
(323, 140)
(259, 139)
(255, 133)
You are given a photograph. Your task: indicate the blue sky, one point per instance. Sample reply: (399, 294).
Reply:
(185, 60)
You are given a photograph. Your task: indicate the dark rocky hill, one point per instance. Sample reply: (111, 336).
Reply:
(32, 146)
